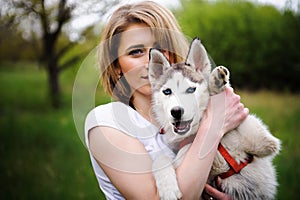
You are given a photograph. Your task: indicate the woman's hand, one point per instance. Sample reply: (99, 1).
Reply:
(227, 108)
(235, 111)
(211, 193)
(224, 113)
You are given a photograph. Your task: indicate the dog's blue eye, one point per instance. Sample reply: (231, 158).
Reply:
(167, 91)
(191, 90)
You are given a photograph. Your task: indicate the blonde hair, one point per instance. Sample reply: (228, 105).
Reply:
(158, 18)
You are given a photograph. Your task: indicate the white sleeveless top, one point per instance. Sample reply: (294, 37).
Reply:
(122, 117)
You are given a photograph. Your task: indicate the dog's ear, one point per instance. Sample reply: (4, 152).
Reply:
(198, 58)
(158, 63)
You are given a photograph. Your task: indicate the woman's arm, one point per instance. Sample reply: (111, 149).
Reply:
(224, 113)
(125, 161)
(128, 165)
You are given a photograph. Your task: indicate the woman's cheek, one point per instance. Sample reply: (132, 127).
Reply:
(128, 65)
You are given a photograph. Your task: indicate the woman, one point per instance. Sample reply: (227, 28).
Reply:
(122, 136)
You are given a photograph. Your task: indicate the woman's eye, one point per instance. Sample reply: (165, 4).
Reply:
(136, 52)
(167, 91)
(191, 90)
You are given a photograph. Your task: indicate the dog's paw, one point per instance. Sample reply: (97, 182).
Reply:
(218, 79)
(165, 177)
(271, 146)
(274, 146)
(167, 187)
(170, 192)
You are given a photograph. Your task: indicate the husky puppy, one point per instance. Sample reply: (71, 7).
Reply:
(180, 96)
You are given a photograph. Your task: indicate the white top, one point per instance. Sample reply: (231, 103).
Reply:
(122, 117)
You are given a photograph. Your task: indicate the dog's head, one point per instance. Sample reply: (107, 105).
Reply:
(180, 91)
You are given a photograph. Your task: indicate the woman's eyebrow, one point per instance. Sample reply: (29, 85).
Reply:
(136, 46)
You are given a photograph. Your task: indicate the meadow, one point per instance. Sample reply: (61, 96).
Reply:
(42, 156)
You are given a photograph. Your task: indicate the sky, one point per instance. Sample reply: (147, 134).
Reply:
(79, 23)
(280, 4)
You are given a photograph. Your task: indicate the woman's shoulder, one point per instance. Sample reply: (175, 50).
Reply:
(105, 113)
(106, 110)
(108, 107)
(116, 115)
(123, 118)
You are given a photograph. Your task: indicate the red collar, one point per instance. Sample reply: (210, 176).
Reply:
(162, 131)
(234, 166)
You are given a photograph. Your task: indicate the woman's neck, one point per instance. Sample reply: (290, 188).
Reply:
(142, 105)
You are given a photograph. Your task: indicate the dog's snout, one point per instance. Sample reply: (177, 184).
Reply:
(177, 112)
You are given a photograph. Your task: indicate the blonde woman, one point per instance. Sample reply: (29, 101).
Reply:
(122, 136)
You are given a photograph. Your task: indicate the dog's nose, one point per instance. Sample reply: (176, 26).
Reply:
(177, 112)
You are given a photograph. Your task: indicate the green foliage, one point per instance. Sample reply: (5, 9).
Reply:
(259, 44)
(13, 47)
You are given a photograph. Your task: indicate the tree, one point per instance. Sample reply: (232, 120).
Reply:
(256, 42)
(42, 23)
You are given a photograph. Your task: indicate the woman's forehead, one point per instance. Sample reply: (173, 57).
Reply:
(136, 34)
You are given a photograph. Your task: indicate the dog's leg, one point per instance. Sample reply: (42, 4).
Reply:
(257, 139)
(165, 177)
(180, 155)
(218, 79)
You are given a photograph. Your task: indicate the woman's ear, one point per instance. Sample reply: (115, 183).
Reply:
(119, 71)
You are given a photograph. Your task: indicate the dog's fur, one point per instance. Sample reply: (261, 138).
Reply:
(180, 96)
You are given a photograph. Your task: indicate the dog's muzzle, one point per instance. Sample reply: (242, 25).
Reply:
(182, 127)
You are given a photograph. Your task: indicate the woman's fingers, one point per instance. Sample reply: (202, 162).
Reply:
(235, 110)
(212, 193)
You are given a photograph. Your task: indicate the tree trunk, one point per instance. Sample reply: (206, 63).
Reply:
(53, 78)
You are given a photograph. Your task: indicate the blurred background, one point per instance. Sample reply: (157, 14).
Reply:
(44, 42)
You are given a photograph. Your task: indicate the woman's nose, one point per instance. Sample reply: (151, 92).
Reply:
(146, 61)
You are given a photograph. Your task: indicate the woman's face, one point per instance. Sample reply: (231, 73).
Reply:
(133, 52)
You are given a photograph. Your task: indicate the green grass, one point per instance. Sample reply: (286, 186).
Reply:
(42, 156)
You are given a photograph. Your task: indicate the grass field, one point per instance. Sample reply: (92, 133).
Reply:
(42, 156)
